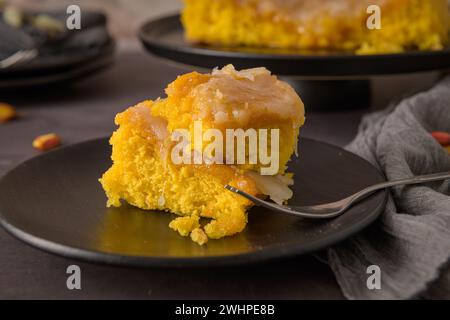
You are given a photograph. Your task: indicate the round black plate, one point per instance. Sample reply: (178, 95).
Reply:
(55, 202)
(45, 71)
(164, 37)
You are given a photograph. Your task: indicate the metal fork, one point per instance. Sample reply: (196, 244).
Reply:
(334, 209)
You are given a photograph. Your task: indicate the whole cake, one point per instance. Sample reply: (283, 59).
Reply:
(146, 172)
(319, 24)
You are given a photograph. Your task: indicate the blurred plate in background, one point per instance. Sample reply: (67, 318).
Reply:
(33, 57)
(164, 37)
(60, 69)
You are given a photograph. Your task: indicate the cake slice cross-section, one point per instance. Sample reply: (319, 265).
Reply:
(144, 172)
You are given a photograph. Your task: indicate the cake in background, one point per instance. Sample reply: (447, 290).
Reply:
(144, 174)
(318, 24)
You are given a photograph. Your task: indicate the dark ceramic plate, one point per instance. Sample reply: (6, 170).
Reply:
(164, 37)
(55, 202)
(45, 71)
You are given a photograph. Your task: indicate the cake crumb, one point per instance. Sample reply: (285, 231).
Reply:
(199, 236)
(184, 225)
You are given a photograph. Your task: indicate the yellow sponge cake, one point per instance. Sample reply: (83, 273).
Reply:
(320, 24)
(145, 174)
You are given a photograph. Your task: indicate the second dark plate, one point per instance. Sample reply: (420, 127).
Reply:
(164, 37)
(50, 70)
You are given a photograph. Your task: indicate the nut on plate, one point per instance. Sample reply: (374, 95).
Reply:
(7, 112)
(443, 138)
(46, 142)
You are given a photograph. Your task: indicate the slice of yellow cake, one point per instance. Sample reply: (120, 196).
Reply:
(145, 174)
(228, 99)
(319, 24)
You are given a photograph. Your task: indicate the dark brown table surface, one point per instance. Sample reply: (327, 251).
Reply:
(86, 111)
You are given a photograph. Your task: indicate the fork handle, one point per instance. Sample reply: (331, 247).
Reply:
(408, 181)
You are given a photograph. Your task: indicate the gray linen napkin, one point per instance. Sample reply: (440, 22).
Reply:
(411, 240)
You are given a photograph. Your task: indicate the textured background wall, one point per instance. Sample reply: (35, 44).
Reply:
(125, 15)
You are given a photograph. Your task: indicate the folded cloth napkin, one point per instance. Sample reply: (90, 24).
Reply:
(410, 242)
